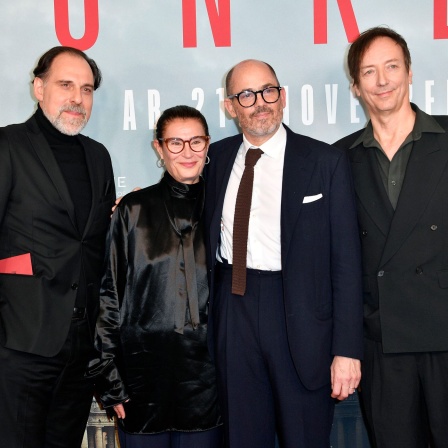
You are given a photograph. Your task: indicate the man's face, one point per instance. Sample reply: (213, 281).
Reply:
(383, 78)
(66, 94)
(260, 121)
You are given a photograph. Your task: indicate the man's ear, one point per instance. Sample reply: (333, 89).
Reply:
(38, 87)
(283, 97)
(228, 103)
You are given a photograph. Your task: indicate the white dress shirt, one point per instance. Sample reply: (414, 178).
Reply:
(263, 245)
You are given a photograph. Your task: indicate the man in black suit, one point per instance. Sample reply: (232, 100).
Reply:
(56, 191)
(400, 168)
(292, 339)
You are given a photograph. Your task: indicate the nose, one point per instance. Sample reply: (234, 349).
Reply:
(76, 96)
(381, 78)
(187, 152)
(259, 99)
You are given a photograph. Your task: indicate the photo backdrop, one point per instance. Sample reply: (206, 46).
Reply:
(156, 54)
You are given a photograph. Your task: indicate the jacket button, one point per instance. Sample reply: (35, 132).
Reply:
(418, 270)
(433, 227)
(380, 273)
(74, 286)
(364, 233)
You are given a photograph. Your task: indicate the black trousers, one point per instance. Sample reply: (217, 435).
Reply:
(259, 389)
(211, 438)
(405, 398)
(45, 402)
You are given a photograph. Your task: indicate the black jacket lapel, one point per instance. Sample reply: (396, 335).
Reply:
(369, 188)
(425, 167)
(221, 180)
(297, 172)
(45, 155)
(91, 161)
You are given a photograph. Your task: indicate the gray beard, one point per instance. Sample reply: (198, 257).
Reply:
(61, 125)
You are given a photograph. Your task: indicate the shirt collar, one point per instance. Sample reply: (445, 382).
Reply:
(273, 147)
(423, 123)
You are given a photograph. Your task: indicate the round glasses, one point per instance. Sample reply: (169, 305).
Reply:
(177, 145)
(247, 98)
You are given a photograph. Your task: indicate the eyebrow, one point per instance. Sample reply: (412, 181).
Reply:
(387, 62)
(68, 81)
(264, 86)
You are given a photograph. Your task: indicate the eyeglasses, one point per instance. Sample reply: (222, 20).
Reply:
(248, 98)
(177, 145)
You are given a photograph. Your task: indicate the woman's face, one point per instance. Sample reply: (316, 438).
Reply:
(187, 165)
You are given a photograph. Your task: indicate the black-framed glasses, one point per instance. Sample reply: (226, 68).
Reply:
(177, 145)
(248, 98)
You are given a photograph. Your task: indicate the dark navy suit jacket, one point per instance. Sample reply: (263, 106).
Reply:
(320, 251)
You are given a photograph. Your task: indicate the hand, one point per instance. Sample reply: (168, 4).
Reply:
(119, 410)
(117, 201)
(345, 376)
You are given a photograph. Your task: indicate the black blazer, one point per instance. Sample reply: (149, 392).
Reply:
(320, 252)
(405, 253)
(37, 216)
